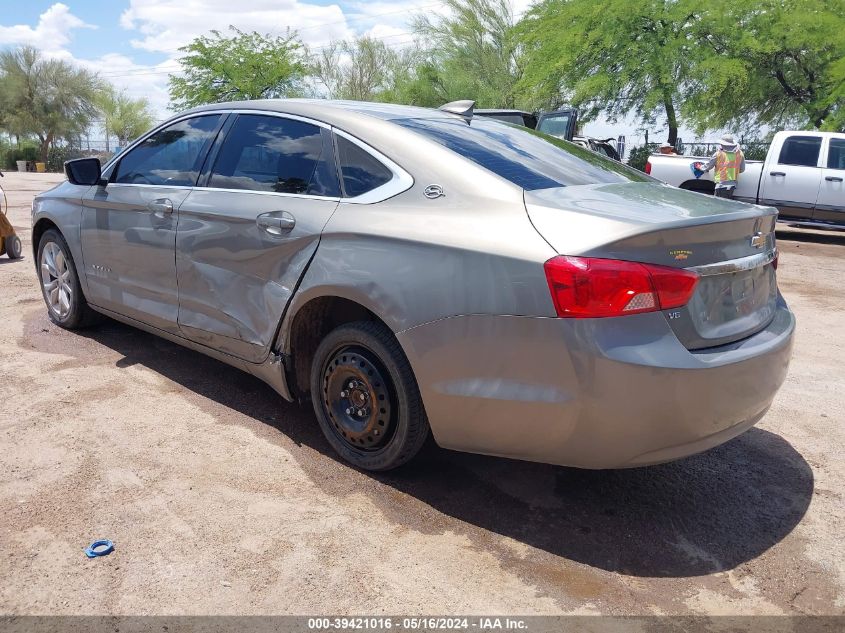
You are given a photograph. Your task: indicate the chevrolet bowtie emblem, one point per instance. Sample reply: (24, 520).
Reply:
(758, 240)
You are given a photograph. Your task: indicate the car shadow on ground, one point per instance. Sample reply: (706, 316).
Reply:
(701, 515)
(836, 237)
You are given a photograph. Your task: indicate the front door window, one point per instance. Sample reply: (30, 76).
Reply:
(170, 157)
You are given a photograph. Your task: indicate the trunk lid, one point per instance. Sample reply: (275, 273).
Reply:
(730, 245)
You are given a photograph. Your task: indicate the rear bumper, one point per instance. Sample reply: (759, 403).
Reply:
(592, 393)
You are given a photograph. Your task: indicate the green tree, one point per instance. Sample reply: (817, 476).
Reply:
(244, 66)
(474, 54)
(46, 98)
(123, 117)
(364, 69)
(617, 56)
(423, 85)
(771, 62)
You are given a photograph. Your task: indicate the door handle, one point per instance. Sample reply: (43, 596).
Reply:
(777, 173)
(161, 207)
(287, 221)
(833, 178)
(276, 223)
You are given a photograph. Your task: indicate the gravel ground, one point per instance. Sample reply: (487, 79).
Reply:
(222, 498)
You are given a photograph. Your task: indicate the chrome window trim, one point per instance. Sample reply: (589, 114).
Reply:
(141, 184)
(401, 181)
(281, 115)
(270, 193)
(262, 193)
(735, 265)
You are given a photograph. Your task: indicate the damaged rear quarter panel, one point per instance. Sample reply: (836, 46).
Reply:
(410, 260)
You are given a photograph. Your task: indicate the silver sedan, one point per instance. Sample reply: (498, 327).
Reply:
(416, 271)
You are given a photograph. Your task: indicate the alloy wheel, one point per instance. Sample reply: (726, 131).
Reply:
(56, 280)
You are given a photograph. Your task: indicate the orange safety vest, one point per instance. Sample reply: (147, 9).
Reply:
(727, 165)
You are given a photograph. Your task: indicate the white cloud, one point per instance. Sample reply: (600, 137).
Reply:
(51, 34)
(162, 26)
(137, 80)
(389, 34)
(168, 24)
(390, 21)
(520, 7)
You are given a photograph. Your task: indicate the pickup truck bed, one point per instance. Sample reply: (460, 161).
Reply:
(803, 176)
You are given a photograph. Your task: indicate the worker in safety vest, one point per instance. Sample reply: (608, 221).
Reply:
(729, 163)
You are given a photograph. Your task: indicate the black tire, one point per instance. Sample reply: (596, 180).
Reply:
(367, 355)
(13, 247)
(79, 314)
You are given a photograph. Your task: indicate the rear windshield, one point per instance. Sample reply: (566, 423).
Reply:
(525, 157)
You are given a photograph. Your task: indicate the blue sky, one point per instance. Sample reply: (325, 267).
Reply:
(133, 43)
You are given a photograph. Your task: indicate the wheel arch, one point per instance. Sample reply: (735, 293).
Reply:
(307, 324)
(41, 226)
(70, 234)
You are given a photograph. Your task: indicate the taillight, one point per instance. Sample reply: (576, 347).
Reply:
(648, 167)
(585, 287)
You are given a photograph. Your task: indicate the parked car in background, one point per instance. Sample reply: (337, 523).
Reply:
(803, 176)
(517, 117)
(414, 271)
(560, 123)
(603, 146)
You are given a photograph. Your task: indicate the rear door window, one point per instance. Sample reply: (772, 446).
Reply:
(170, 157)
(267, 153)
(361, 171)
(836, 154)
(801, 151)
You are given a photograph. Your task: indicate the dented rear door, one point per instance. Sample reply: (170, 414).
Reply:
(246, 237)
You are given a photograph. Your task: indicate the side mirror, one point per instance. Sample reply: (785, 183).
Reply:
(84, 171)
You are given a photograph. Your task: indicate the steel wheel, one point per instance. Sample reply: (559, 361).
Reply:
(56, 280)
(366, 397)
(356, 398)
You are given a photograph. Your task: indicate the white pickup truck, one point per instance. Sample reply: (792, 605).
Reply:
(803, 176)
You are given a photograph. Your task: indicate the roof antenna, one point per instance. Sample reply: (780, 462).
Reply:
(462, 108)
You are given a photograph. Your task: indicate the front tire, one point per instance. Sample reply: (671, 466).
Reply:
(66, 305)
(366, 397)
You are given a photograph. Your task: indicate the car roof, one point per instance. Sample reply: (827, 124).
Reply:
(329, 109)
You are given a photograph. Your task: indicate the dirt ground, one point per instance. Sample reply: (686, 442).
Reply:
(222, 498)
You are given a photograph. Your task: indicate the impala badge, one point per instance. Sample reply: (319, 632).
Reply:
(758, 240)
(433, 191)
(100, 271)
